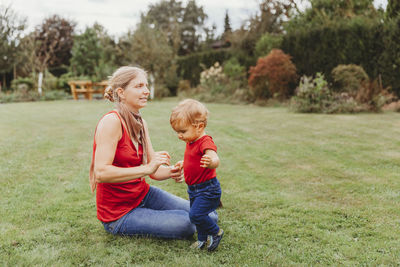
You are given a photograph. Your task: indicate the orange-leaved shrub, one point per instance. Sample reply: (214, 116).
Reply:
(273, 76)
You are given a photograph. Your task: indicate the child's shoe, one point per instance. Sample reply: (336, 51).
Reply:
(199, 244)
(215, 239)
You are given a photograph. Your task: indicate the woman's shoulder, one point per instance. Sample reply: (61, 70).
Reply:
(110, 121)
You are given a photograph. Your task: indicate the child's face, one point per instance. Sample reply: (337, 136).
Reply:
(190, 133)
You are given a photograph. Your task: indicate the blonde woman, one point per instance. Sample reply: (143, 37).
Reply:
(122, 156)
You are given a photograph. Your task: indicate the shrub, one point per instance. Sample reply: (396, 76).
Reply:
(273, 76)
(26, 83)
(233, 69)
(349, 79)
(266, 43)
(54, 95)
(183, 86)
(312, 95)
(190, 66)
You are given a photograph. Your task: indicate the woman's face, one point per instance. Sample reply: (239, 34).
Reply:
(137, 92)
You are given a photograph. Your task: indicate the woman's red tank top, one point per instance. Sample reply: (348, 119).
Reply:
(114, 200)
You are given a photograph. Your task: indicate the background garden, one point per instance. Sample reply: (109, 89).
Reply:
(330, 57)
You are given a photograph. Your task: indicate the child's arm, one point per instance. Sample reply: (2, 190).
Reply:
(209, 160)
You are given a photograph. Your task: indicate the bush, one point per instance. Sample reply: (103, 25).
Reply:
(312, 95)
(183, 86)
(190, 66)
(233, 69)
(24, 83)
(273, 76)
(23, 95)
(266, 43)
(370, 43)
(54, 95)
(349, 79)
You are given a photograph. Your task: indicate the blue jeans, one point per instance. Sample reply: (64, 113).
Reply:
(204, 199)
(160, 214)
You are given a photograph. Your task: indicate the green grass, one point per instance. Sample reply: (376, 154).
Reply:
(298, 189)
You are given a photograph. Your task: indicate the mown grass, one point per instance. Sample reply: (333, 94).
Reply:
(298, 189)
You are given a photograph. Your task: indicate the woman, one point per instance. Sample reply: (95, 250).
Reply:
(123, 156)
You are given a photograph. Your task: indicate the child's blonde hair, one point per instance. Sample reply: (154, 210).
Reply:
(188, 112)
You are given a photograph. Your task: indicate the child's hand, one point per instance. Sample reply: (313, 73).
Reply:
(205, 161)
(177, 172)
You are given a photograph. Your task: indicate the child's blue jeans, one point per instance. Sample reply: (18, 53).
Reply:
(204, 199)
(160, 214)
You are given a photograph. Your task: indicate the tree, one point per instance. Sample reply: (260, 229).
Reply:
(182, 25)
(167, 17)
(271, 16)
(11, 28)
(227, 23)
(86, 53)
(193, 19)
(393, 9)
(149, 48)
(54, 42)
(323, 12)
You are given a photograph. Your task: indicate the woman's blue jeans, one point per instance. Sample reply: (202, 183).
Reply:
(160, 214)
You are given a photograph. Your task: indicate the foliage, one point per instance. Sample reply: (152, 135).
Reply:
(149, 48)
(349, 78)
(358, 41)
(23, 82)
(227, 25)
(93, 54)
(190, 66)
(181, 25)
(312, 95)
(393, 9)
(269, 19)
(233, 69)
(53, 42)
(213, 78)
(324, 12)
(273, 76)
(11, 29)
(23, 94)
(266, 43)
(389, 59)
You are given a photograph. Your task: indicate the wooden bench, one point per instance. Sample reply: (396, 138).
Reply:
(87, 88)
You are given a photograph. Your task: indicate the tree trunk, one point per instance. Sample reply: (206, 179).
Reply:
(4, 80)
(40, 79)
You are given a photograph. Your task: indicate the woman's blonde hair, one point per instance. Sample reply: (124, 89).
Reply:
(188, 112)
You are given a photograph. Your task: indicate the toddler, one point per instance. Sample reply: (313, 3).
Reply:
(189, 120)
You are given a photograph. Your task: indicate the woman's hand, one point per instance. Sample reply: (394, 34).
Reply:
(159, 158)
(177, 173)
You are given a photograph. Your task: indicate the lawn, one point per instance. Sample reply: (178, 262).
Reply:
(298, 189)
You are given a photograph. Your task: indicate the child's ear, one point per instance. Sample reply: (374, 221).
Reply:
(200, 125)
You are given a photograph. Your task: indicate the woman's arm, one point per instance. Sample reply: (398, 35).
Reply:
(163, 172)
(108, 133)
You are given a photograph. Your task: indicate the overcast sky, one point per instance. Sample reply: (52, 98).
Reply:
(117, 16)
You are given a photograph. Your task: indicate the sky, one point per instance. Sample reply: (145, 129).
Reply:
(118, 16)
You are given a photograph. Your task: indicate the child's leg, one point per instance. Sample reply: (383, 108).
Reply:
(200, 208)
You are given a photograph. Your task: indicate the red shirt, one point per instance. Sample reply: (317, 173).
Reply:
(194, 174)
(114, 200)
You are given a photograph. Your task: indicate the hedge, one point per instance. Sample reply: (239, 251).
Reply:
(372, 44)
